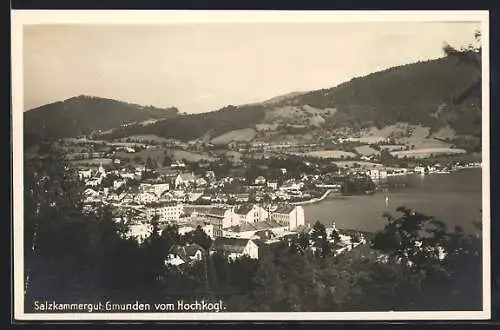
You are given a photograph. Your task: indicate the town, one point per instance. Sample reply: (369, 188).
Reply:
(240, 211)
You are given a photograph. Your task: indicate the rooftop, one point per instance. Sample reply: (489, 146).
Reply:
(186, 251)
(244, 209)
(246, 226)
(284, 209)
(230, 244)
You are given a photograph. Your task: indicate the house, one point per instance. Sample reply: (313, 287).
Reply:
(242, 197)
(289, 186)
(194, 196)
(156, 188)
(127, 198)
(260, 180)
(221, 218)
(140, 168)
(251, 213)
(200, 182)
(273, 185)
(166, 211)
(160, 188)
(166, 196)
(289, 215)
(205, 225)
(420, 170)
(235, 248)
(146, 198)
(256, 230)
(101, 172)
(129, 176)
(118, 183)
(84, 174)
(94, 182)
(90, 192)
(177, 164)
(210, 175)
(184, 180)
(376, 174)
(187, 254)
(128, 149)
(91, 196)
(139, 231)
(113, 197)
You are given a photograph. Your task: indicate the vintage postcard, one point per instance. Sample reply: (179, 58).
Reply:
(251, 165)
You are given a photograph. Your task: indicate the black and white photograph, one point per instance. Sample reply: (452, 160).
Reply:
(258, 165)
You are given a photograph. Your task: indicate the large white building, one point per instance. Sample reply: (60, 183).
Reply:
(184, 180)
(85, 174)
(289, 215)
(119, 183)
(221, 218)
(140, 232)
(146, 198)
(251, 213)
(166, 211)
(156, 188)
(377, 174)
(235, 248)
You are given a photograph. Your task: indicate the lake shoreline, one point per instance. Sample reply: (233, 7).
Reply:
(342, 196)
(454, 198)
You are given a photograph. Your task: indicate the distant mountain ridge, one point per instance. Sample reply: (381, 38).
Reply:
(84, 114)
(421, 93)
(282, 98)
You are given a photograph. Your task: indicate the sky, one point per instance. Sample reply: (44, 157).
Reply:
(203, 67)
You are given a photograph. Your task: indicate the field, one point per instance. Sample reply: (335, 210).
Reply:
(337, 154)
(246, 134)
(360, 164)
(158, 154)
(412, 135)
(191, 156)
(366, 151)
(415, 136)
(444, 133)
(427, 152)
(94, 161)
(266, 127)
(369, 139)
(145, 138)
(299, 115)
(392, 147)
(374, 135)
(234, 156)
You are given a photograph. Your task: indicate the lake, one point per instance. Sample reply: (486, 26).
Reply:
(455, 199)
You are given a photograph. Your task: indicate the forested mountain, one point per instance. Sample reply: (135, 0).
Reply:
(431, 93)
(84, 114)
(423, 93)
(419, 93)
(195, 126)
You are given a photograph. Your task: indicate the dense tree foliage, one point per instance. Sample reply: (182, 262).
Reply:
(357, 185)
(72, 255)
(194, 126)
(390, 96)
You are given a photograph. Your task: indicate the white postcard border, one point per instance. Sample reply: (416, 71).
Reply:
(125, 17)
